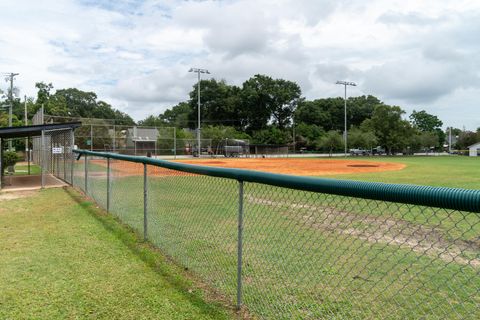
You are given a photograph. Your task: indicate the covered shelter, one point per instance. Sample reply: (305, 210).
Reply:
(474, 150)
(142, 140)
(52, 146)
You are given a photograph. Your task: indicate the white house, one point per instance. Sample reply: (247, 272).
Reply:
(474, 149)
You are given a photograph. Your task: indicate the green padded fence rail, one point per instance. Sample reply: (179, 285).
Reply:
(448, 198)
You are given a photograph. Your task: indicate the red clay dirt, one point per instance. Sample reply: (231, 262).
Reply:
(300, 166)
(293, 166)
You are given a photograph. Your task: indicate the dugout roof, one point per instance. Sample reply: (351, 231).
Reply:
(35, 130)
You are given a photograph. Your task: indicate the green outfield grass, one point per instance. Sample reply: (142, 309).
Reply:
(444, 171)
(312, 255)
(61, 258)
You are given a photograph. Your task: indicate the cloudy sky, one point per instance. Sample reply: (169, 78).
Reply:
(135, 54)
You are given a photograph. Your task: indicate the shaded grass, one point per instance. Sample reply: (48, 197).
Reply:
(66, 259)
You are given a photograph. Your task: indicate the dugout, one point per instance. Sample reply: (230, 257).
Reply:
(142, 140)
(268, 150)
(49, 146)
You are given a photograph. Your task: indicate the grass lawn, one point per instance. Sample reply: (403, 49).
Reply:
(313, 256)
(62, 258)
(23, 169)
(444, 171)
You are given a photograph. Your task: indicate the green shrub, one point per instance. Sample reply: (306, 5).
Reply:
(10, 158)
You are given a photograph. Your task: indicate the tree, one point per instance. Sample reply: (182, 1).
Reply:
(424, 121)
(332, 140)
(467, 138)
(220, 103)
(392, 132)
(329, 113)
(428, 140)
(178, 116)
(265, 99)
(219, 133)
(76, 103)
(306, 135)
(272, 135)
(358, 138)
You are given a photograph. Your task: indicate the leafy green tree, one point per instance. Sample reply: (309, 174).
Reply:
(392, 132)
(178, 116)
(272, 135)
(331, 141)
(424, 121)
(329, 113)
(152, 121)
(358, 138)
(429, 140)
(4, 120)
(306, 135)
(219, 133)
(220, 103)
(467, 138)
(264, 99)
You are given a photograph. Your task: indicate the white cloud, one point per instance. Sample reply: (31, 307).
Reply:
(135, 54)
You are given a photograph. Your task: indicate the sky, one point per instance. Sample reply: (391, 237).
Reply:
(135, 54)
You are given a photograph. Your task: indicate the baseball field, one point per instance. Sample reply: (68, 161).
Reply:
(311, 255)
(305, 255)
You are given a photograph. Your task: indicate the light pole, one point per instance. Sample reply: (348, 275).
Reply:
(345, 83)
(198, 71)
(10, 77)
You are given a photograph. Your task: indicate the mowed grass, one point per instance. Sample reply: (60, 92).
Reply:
(62, 258)
(311, 255)
(441, 171)
(23, 169)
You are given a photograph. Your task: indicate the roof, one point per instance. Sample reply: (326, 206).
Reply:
(474, 145)
(143, 134)
(35, 130)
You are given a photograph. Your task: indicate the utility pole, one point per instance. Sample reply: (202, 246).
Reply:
(10, 112)
(26, 123)
(198, 71)
(345, 83)
(450, 140)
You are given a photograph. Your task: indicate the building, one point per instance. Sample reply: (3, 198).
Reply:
(474, 149)
(142, 140)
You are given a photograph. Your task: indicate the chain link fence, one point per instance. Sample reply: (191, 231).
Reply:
(301, 248)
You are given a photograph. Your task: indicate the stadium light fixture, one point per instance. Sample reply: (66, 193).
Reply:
(198, 71)
(345, 84)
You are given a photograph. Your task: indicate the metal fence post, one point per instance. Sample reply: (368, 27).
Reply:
(108, 185)
(145, 222)
(240, 245)
(42, 158)
(86, 174)
(72, 143)
(174, 143)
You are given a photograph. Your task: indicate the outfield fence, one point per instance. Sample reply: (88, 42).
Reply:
(288, 247)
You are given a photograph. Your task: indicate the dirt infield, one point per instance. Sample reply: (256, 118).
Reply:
(294, 166)
(301, 167)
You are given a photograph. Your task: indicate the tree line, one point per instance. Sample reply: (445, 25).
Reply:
(265, 110)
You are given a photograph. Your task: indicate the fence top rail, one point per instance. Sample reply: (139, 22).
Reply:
(441, 197)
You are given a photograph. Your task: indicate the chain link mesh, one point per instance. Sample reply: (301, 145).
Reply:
(306, 255)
